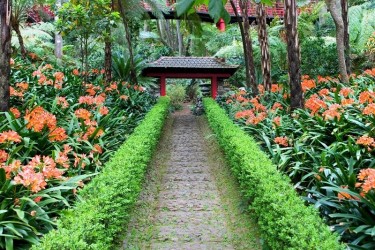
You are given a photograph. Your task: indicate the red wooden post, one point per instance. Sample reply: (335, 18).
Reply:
(221, 25)
(214, 87)
(163, 89)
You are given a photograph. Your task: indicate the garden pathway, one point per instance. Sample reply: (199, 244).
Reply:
(184, 204)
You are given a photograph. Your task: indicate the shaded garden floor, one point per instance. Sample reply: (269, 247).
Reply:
(190, 200)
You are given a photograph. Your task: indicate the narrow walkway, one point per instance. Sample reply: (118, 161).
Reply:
(182, 205)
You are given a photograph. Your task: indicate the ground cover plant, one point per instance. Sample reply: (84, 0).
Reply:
(327, 149)
(62, 126)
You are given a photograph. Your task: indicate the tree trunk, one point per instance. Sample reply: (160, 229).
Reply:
(58, 37)
(244, 4)
(179, 38)
(335, 10)
(108, 59)
(264, 46)
(345, 18)
(133, 73)
(16, 28)
(5, 40)
(294, 60)
(240, 24)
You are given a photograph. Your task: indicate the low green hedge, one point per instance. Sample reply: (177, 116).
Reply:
(102, 214)
(285, 222)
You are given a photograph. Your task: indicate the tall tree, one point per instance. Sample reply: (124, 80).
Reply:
(334, 7)
(5, 40)
(345, 18)
(19, 14)
(58, 37)
(264, 46)
(294, 57)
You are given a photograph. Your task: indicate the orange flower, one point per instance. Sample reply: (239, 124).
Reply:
(11, 61)
(59, 76)
(346, 102)
(38, 119)
(282, 141)
(23, 85)
(367, 176)
(323, 92)
(15, 112)
(277, 105)
(42, 79)
(125, 97)
(83, 114)
(369, 110)
(366, 96)
(10, 136)
(275, 88)
(256, 119)
(103, 110)
(58, 134)
(314, 104)
(97, 149)
(75, 72)
(345, 195)
(244, 114)
(308, 84)
(31, 179)
(261, 89)
(3, 156)
(332, 112)
(91, 92)
(47, 66)
(346, 91)
(277, 120)
(366, 141)
(62, 102)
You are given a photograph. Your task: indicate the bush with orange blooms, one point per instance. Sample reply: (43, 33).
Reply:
(327, 148)
(57, 134)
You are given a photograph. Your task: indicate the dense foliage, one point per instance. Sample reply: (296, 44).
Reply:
(284, 220)
(58, 133)
(327, 149)
(107, 200)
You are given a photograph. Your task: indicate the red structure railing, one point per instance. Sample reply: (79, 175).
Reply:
(276, 10)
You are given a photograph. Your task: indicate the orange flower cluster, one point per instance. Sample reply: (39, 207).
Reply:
(314, 104)
(3, 156)
(369, 110)
(38, 119)
(277, 120)
(257, 105)
(366, 96)
(276, 106)
(347, 102)
(75, 72)
(276, 88)
(282, 141)
(344, 195)
(82, 114)
(366, 141)
(244, 114)
(332, 112)
(90, 100)
(370, 72)
(256, 119)
(307, 84)
(366, 179)
(10, 136)
(346, 92)
(62, 102)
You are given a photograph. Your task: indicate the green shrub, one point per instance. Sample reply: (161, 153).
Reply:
(177, 93)
(286, 223)
(104, 210)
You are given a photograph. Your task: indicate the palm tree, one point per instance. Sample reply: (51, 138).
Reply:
(5, 40)
(293, 48)
(133, 10)
(264, 46)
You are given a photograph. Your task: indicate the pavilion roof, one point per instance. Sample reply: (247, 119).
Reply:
(185, 64)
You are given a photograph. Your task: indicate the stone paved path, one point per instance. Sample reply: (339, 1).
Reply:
(185, 209)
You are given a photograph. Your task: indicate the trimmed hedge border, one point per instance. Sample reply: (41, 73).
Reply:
(103, 214)
(284, 220)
